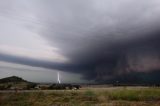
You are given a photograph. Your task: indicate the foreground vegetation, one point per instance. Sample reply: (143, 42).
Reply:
(122, 96)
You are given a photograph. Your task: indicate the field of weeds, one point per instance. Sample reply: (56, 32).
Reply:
(113, 96)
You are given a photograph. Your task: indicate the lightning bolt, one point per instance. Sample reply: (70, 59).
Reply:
(58, 78)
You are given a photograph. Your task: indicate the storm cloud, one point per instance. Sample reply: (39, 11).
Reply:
(103, 40)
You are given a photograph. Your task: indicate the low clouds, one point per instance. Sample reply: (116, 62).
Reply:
(102, 40)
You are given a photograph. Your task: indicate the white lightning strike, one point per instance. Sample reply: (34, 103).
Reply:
(58, 78)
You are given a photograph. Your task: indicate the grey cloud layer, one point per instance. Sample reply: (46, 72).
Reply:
(105, 40)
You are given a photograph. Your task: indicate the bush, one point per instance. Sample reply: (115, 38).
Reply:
(31, 85)
(2, 87)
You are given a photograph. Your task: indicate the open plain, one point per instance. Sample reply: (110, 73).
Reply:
(86, 96)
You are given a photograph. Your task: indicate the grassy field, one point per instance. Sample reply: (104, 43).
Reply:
(112, 96)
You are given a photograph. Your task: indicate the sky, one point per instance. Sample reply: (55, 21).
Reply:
(101, 41)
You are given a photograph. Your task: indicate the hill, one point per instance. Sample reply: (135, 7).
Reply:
(13, 79)
(15, 82)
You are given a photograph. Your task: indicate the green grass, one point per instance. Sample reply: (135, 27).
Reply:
(135, 95)
(84, 97)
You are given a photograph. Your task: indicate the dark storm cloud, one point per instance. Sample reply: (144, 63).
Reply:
(105, 37)
(104, 40)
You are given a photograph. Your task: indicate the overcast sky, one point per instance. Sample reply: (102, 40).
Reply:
(84, 40)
